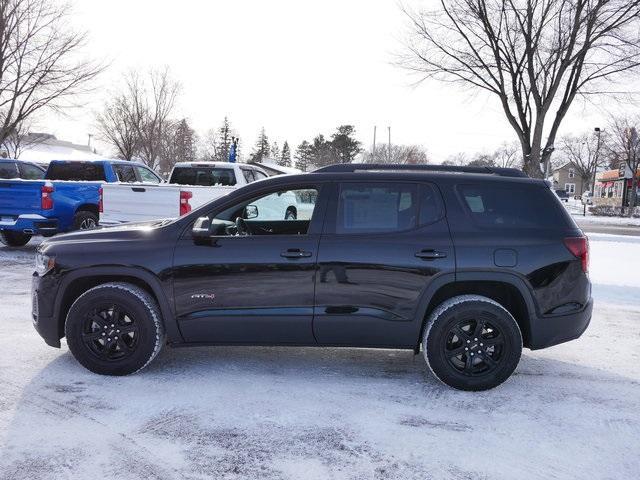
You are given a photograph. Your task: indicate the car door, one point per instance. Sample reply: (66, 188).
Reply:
(257, 288)
(383, 245)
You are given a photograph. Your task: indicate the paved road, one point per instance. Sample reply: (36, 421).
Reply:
(610, 229)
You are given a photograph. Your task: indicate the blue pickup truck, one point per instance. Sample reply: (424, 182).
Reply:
(67, 198)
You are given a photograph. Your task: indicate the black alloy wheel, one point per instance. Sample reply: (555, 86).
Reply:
(110, 332)
(474, 345)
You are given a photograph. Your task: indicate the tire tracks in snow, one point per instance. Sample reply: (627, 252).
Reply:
(56, 408)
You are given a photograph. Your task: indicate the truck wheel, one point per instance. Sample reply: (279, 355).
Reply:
(114, 329)
(471, 342)
(291, 214)
(84, 220)
(14, 239)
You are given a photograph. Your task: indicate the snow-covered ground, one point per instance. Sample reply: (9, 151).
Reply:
(571, 411)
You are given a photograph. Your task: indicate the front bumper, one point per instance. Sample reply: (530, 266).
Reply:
(552, 330)
(42, 300)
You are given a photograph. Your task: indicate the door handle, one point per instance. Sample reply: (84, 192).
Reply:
(430, 254)
(138, 189)
(295, 253)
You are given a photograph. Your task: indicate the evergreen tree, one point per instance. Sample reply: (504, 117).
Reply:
(261, 149)
(345, 147)
(304, 156)
(285, 156)
(322, 152)
(178, 146)
(223, 143)
(275, 152)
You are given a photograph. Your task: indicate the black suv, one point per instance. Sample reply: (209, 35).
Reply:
(467, 264)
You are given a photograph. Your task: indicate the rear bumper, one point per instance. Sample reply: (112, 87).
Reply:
(552, 330)
(31, 224)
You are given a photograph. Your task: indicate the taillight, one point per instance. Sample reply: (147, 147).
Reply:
(46, 200)
(100, 204)
(579, 247)
(185, 196)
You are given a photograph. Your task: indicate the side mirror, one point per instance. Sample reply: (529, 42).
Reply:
(250, 211)
(201, 228)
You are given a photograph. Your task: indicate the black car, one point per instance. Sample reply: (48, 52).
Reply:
(466, 264)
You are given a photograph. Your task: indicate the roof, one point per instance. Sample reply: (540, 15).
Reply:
(209, 164)
(44, 147)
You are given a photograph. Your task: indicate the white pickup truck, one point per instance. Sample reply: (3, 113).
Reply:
(190, 185)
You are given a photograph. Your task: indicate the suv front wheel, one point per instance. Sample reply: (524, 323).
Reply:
(472, 342)
(114, 329)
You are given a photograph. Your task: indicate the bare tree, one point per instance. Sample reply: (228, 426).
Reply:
(118, 126)
(400, 154)
(154, 102)
(584, 152)
(40, 61)
(19, 140)
(624, 146)
(535, 56)
(137, 120)
(508, 155)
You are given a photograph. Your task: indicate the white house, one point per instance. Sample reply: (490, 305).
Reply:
(44, 147)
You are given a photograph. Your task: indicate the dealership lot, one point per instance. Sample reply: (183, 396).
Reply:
(251, 412)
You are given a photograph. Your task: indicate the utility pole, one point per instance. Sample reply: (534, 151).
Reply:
(595, 168)
(389, 128)
(90, 135)
(373, 150)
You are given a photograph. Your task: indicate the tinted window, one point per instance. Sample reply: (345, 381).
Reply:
(259, 175)
(147, 175)
(76, 171)
(248, 175)
(513, 206)
(8, 170)
(205, 176)
(376, 207)
(125, 173)
(430, 205)
(30, 172)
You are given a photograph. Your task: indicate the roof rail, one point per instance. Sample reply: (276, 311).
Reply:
(355, 167)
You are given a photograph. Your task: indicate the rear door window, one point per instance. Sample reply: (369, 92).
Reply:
(259, 175)
(248, 175)
(125, 173)
(376, 207)
(30, 172)
(204, 176)
(76, 171)
(146, 175)
(8, 170)
(512, 206)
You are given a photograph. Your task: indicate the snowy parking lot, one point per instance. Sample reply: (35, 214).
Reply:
(571, 411)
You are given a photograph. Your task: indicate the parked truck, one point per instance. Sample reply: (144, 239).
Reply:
(67, 198)
(191, 185)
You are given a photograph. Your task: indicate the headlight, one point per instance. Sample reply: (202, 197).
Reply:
(44, 263)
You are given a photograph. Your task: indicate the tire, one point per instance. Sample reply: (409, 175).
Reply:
(454, 349)
(14, 239)
(291, 214)
(85, 220)
(109, 350)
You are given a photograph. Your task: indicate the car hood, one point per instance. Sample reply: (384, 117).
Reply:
(121, 232)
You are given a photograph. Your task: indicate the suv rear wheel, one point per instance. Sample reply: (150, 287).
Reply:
(114, 329)
(14, 239)
(472, 343)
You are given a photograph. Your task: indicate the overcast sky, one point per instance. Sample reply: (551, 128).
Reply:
(298, 68)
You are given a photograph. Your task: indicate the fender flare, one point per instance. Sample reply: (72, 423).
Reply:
(168, 317)
(471, 276)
